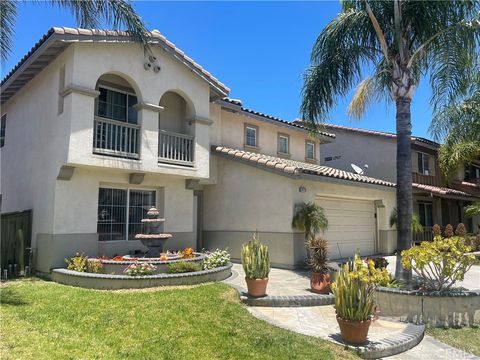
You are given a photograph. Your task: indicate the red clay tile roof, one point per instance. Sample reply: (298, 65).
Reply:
(270, 117)
(370, 132)
(293, 167)
(156, 38)
(442, 190)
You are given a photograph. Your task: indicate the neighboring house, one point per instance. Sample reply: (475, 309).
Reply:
(94, 132)
(435, 201)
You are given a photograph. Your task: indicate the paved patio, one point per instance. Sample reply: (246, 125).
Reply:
(386, 336)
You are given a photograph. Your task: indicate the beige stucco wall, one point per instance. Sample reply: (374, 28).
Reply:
(36, 146)
(248, 199)
(359, 149)
(126, 60)
(229, 130)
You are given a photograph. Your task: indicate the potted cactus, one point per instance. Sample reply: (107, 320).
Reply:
(354, 304)
(319, 277)
(256, 264)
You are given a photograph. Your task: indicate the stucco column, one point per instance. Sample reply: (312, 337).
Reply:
(202, 144)
(148, 119)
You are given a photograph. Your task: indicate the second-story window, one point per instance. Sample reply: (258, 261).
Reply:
(117, 105)
(423, 164)
(310, 150)
(425, 213)
(2, 130)
(251, 136)
(283, 143)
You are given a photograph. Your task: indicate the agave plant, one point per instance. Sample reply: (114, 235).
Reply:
(318, 259)
(255, 259)
(354, 297)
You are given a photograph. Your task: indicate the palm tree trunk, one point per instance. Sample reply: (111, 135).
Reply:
(404, 184)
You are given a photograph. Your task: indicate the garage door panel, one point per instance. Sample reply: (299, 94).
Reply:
(351, 226)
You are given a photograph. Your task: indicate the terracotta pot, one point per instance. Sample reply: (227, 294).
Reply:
(257, 287)
(354, 332)
(320, 282)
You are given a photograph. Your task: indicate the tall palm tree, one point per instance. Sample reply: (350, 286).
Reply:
(457, 123)
(88, 14)
(400, 40)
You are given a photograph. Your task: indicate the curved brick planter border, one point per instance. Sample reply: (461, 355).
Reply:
(433, 309)
(288, 301)
(390, 345)
(115, 282)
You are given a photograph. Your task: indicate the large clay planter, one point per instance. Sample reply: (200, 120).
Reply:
(320, 282)
(257, 287)
(354, 332)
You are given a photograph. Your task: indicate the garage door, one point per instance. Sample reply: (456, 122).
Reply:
(351, 226)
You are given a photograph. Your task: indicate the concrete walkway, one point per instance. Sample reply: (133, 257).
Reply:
(386, 336)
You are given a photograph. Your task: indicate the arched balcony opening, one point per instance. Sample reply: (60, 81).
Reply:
(117, 127)
(176, 141)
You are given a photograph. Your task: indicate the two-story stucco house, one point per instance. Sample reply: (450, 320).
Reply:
(435, 201)
(95, 132)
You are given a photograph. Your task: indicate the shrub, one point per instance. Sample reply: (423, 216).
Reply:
(473, 241)
(140, 269)
(82, 263)
(439, 263)
(216, 259)
(460, 230)
(436, 230)
(318, 258)
(378, 262)
(187, 253)
(255, 259)
(449, 231)
(183, 267)
(354, 294)
(78, 262)
(369, 273)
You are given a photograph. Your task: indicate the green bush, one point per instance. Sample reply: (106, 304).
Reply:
(255, 259)
(439, 263)
(354, 294)
(82, 263)
(183, 267)
(318, 259)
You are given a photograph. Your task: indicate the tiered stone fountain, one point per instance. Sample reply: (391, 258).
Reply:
(154, 239)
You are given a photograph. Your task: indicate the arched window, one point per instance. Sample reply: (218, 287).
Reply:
(116, 121)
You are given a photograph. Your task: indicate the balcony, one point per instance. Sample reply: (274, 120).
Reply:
(116, 138)
(425, 235)
(433, 180)
(175, 148)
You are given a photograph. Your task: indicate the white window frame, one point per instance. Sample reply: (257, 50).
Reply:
(307, 143)
(287, 142)
(255, 129)
(127, 205)
(128, 93)
(424, 157)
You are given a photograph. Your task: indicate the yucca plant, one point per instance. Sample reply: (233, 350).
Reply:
(354, 296)
(255, 259)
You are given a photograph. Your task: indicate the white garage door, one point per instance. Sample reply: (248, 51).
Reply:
(351, 226)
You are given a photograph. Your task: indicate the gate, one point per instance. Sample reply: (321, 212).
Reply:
(15, 240)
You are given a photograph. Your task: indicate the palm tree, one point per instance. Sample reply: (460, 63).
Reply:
(400, 41)
(417, 227)
(88, 13)
(457, 123)
(309, 218)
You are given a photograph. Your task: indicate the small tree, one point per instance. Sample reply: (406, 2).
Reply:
(309, 218)
(417, 227)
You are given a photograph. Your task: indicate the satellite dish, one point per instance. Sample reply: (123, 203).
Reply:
(357, 169)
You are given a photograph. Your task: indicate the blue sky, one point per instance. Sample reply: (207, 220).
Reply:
(259, 49)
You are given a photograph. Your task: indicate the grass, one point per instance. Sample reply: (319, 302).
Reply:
(45, 320)
(465, 339)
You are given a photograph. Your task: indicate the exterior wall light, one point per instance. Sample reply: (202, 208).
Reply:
(302, 189)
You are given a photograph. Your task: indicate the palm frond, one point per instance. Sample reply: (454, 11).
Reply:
(309, 218)
(454, 154)
(417, 227)
(118, 13)
(8, 14)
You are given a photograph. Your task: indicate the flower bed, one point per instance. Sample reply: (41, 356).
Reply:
(114, 282)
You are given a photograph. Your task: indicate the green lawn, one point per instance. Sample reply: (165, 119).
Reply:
(45, 320)
(466, 338)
